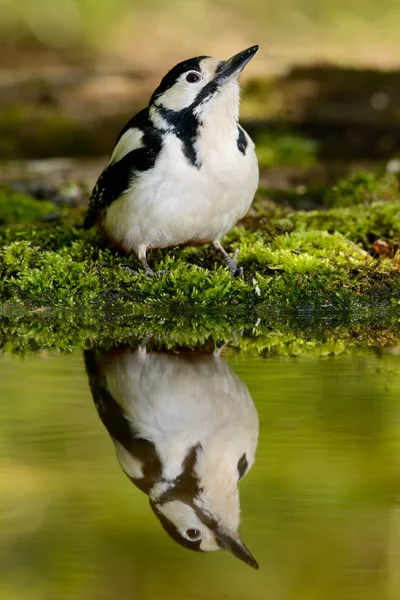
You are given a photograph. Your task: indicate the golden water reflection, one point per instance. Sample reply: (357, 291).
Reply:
(320, 506)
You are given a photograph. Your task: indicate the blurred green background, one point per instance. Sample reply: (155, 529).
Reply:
(152, 33)
(320, 507)
(72, 72)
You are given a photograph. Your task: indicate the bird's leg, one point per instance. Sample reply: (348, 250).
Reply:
(148, 271)
(142, 349)
(142, 257)
(217, 351)
(231, 262)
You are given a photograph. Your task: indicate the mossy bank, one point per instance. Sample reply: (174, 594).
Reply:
(293, 261)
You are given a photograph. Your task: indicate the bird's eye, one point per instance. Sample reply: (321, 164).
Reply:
(193, 534)
(192, 78)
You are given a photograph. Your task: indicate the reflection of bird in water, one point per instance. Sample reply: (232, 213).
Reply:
(185, 431)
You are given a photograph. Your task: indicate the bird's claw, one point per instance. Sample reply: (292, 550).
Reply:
(147, 273)
(129, 270)
(234, 269)
(217, 351)
(150, 273)
(232, 264)
(239, 271)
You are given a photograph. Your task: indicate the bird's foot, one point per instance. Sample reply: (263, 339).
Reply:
(232, 264)
(142, 350)
(217, 351)
(129, 270)
(150, 273)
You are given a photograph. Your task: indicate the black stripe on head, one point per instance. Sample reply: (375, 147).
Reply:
(185, 123)
(192, 64)
(186, 486)
(185, 126)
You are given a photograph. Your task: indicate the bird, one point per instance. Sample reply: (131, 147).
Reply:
(183, 170)
(185, 431)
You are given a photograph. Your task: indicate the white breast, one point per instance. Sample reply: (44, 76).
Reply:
(176, 404)
(175, 202)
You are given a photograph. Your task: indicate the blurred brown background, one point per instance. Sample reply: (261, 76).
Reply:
(150, 34)
(73, 71)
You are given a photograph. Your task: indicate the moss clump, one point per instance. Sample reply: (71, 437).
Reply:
(363, 188)
(285, 149)
(292, 261)
(302, 269)
(259, 331)
(18, 208)
(359, 224)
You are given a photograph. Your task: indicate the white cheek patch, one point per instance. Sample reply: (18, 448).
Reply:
(130, 140)
(181, 515)
(181, 95)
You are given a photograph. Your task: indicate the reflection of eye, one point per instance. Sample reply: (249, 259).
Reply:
(192, 78)
(193, 534)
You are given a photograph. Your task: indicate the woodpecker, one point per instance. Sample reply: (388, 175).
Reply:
(183, 171)
(185, 431)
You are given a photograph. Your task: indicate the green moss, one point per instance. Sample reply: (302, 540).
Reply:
(300, 260)
(362, 225)
(285, 149)
(364, 188)
(300, 269)
(17, 208)
(258, 332)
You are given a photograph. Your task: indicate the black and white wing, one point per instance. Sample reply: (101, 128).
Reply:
(135, 151)
(138, 457)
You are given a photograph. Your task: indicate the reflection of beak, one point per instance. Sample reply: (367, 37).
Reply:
(236, 547)
(234, 65)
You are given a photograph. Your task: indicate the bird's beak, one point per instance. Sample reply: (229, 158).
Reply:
(236, 547)
(233, 66)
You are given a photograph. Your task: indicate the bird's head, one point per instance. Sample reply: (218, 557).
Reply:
(201, 513)
(199, 84)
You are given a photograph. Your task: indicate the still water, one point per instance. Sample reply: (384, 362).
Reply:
(319, 508)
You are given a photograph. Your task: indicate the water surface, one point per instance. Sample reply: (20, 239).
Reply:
(319, 508)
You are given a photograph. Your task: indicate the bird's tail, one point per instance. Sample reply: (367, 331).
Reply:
(90, 218)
